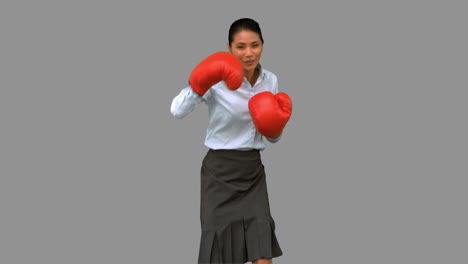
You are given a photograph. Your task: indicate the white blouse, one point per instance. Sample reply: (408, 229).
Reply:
(230, 125)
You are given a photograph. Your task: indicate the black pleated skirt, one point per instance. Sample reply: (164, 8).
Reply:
(236, 222)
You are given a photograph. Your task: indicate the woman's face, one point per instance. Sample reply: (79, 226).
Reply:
(247, 47)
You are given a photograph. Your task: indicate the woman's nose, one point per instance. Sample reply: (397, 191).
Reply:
(248, 52)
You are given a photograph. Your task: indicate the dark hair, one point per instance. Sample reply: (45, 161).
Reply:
(244, 24)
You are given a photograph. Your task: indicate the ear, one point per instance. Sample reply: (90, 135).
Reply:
(229, 47)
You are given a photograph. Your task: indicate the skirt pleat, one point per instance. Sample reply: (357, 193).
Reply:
(236, 222)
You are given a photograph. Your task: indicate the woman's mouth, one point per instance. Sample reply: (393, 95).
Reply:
(251, 62)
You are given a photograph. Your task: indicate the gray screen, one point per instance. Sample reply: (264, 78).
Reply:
(371, 167)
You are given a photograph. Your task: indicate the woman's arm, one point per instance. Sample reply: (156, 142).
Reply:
(275, 91)
(220, 66)
(274, 140)
(185, 102)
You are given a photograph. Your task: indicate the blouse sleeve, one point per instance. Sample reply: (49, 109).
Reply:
(274, 140)
(185, 102)
(275, 91)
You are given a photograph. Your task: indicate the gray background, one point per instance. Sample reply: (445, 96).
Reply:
(371, 167)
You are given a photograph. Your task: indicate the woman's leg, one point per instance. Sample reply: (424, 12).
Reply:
(262, 261)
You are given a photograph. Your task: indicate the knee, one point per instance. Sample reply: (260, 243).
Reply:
(262, 261)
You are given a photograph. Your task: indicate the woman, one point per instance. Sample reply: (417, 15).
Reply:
(236, 222)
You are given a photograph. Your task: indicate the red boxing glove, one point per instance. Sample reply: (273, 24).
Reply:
(270, 112)
(215, 68)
